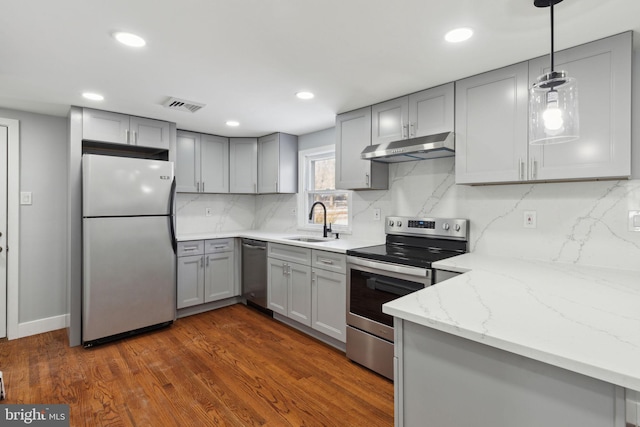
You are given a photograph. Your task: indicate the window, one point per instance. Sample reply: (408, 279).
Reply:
(317, 184)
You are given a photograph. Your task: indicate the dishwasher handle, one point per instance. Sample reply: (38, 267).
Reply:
(246, 245)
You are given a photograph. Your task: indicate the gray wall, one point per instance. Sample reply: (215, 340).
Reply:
(316, 139)
(43, 229)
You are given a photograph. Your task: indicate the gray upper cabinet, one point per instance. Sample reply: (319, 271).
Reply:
(603, 72)
(243, 165)
(214, 164)
(115, 128)
(353, 134)
(149, 133)
(390, 121)
(278, 163)
(422, 113)
(202, 163)
(492, 131)
(188, 162)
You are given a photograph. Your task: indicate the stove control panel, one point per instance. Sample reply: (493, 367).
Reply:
(452, 228)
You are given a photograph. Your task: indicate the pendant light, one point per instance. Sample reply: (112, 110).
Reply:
(553, 101)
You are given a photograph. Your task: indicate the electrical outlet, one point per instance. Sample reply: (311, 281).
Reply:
(634, 220)
(208, 211)
(293, 211)
(25, 197)
(376, 214)
(530, 219)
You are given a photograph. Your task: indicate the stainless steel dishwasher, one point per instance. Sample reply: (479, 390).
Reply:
(254, 272)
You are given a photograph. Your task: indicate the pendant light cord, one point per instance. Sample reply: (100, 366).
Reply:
(552, 37)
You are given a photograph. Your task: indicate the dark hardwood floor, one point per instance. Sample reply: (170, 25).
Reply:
(232, 366)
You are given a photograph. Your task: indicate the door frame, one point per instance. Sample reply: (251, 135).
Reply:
(13, 224)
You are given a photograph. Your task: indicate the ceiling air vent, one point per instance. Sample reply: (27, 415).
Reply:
(182, 105)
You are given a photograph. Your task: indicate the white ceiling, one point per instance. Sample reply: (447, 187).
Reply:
(246, 59)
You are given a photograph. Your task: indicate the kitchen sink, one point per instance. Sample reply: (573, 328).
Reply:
(308, 239)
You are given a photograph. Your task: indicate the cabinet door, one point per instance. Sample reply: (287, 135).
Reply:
(243, 165)
(491, 126)
(268, 163)
(353, 134)
(219, 276)
(187, 162)
(277, 286)
(104, 126)
(431, 111)
(299, 303)
(603, 73)
(190, 281)
(390, 121)
(149, 133)
(214, 164)
(329, 302)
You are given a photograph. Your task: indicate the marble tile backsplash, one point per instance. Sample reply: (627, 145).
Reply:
(229, 212)
(577, 222)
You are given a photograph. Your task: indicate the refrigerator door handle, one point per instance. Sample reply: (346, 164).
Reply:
(172, 216)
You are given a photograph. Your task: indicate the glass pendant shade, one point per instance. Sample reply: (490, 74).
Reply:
(553, 101)
(553, 107)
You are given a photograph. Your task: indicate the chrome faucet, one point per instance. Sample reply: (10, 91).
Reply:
(324, 228)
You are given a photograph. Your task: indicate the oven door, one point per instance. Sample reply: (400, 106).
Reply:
(370, 284)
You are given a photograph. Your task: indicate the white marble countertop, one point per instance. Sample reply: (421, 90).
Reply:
(583, 319)
(340, 245)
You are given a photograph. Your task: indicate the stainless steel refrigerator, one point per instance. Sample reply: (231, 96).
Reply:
(128, 253)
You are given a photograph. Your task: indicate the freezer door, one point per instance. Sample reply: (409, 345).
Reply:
(129, 275)
(116, 186)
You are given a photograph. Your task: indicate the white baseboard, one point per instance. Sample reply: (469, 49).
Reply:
(42, 325)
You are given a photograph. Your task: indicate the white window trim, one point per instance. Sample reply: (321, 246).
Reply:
(303, 214)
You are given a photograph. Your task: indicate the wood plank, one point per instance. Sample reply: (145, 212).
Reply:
(233, 366)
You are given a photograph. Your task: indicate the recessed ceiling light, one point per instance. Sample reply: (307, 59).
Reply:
(305, 95)
(458, 35)
(93, 96)
(233, 123)
(129, 39)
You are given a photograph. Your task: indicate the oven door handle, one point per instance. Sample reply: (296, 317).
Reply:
(392, 268)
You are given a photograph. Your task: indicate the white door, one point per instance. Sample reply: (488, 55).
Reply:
(3, 231)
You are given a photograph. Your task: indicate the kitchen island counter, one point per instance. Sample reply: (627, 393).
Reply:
(519, 342)
(583, 319)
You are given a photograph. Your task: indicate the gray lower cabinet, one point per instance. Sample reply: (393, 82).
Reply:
(116, 128)
(492, 131)
(206, 271)
(308, 286)
(447, 381)
(329, 302)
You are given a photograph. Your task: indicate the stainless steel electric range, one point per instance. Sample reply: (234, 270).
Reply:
(379, 274)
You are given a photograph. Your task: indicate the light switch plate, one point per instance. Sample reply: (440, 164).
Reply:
(376, 214)
(25, 197)
(634, 220)
(208, 211)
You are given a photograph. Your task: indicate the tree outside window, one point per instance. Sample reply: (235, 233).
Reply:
(318, 176)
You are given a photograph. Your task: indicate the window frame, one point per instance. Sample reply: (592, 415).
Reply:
(305, 158)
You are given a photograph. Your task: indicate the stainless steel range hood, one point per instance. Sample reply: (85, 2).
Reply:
(407, 150)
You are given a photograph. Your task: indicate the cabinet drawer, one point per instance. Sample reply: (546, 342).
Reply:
(191, 247)
(330, 261)
(290, 253)
(218, 245)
